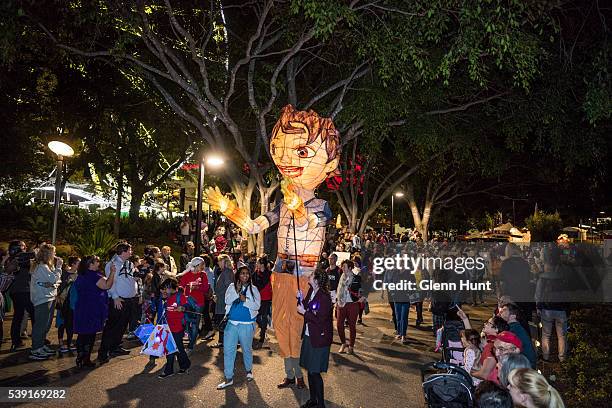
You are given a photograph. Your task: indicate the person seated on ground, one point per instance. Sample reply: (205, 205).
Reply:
(509, 313)
(488, 362)
(508, 363)
(530, 389)
(490, 395)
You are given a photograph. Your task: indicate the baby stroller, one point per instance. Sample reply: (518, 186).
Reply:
(448, 339)
(447, 385)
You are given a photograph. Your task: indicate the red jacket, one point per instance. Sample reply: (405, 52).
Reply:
(173, 317)
(195, 285)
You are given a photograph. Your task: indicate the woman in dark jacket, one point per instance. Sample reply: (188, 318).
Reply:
(90, 306)
(317, 335)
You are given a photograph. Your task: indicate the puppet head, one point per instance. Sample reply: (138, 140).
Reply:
(305, 147)
(220, 231)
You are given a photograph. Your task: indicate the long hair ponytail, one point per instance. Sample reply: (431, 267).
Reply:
(534, 384)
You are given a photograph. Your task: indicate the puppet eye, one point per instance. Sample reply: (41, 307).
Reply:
(304, 152)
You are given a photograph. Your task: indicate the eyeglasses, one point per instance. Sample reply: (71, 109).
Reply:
(503, 350)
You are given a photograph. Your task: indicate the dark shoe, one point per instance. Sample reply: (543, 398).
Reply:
(165, 375)
(287, 382)
(257, 344)
(16, 347)
(102, 358)
(87, 363)
(47, 342)
(359, 321)
(79, 360)
(183, 371)
(300, 383)
(120, 351)
(309, 404)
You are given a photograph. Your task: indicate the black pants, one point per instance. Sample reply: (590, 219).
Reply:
(66, 326)
(419, 309)
(21, 303)
(206, 320)
(218, 318)
(116, 325)
(315, 385)
(183, 359)
(263, 317)
(85, 343)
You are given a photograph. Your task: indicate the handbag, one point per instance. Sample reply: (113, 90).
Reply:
(6, 281)
(225, 320)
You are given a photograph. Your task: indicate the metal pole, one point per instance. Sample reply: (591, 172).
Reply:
(391, 216)
(198, 230)
(58, 195)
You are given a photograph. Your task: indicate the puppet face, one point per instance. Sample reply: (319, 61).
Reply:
(221, 231)
(305, 164)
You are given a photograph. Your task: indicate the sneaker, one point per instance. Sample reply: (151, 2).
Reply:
(131, 337)
(48, 350)
(72, 348)
(120, 351)
(217, 345)
(225, 384)
(250, 376)
(64, 349)
(165, 375)
(183, 371)
(38, 355)
(209, 335)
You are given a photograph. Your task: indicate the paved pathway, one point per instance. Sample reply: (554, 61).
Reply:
(382, 373)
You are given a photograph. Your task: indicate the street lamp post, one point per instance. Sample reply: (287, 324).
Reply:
(62, 150)
(213, 161)
(398, 195)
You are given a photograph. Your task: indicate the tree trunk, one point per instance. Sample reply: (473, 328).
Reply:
(119, 198)
(135, 202)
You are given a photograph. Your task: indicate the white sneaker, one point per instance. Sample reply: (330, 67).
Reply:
(225, 384)
(250, 376)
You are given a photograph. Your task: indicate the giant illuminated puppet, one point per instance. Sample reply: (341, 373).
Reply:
(305, 149)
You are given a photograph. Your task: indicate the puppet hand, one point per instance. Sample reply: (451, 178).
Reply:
(290, 197)
(218, 202)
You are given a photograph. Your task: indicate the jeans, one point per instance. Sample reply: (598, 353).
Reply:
(192, 327)
(233, 334)
(41, 322)
(401, 314)
(559, 319)
(183, 359)
(21, 303)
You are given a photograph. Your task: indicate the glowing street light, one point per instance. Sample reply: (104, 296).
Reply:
(213, 161)
(62, 150)
(397, 194)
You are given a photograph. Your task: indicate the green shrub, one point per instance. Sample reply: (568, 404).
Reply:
(99, 241)
(587, 374)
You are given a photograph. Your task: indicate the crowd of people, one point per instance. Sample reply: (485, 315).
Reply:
(233, 294)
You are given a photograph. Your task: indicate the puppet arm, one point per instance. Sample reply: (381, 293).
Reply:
(229, 208)
(295, 204)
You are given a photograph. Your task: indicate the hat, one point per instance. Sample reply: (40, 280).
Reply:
(509, 337)
(195, 262)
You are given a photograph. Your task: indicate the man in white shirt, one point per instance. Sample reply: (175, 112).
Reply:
(123, 302)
